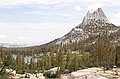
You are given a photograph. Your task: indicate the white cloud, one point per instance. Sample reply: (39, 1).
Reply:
(115, 18)
(112, 2)
(117, 15)
(115, 21)
(34, 26)
(94, 6)
(2, 36)
(33, 32)
(12, 3)
(37, 13)
(23, 38)
(28, 32)
(5, 15)
(77, 7)
(49, 14)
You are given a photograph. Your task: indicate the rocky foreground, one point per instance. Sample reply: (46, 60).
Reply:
(89, 73)
(93, 73)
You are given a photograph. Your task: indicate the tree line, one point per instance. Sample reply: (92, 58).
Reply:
(101, 53)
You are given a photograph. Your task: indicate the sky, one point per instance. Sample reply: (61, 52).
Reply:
(41, 21)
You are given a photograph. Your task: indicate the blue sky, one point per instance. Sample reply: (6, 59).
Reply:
(40, 21)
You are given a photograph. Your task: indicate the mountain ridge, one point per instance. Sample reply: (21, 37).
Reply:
(94, 24)
(97, 15)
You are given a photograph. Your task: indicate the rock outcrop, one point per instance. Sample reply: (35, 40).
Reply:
(87, 74)
(98, 15)
(93, 73)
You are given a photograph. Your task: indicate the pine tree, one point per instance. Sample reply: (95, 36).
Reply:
(68, 60)
(8, 61)
(19, 60)
(103, 53)
(0, 54)
(52, 59)
(118, 56)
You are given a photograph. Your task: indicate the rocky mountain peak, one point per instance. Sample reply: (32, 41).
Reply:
(88, 13)
(97, 15)
(93, 26)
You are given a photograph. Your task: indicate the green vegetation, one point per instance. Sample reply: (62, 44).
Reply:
(69, 57)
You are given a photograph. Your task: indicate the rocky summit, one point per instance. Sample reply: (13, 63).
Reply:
(93, 26)
(98, 15)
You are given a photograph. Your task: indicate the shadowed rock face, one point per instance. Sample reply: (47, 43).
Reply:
(93, 25)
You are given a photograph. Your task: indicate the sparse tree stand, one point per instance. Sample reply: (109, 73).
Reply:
(0, 56)
(59, 61)
(49, 61)
(117, 62)
(103, 53)
(52, 59)
(42, 65)
(19, 63)
(75, 62)
(32, 66)
(68, 60)
(7, 63)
